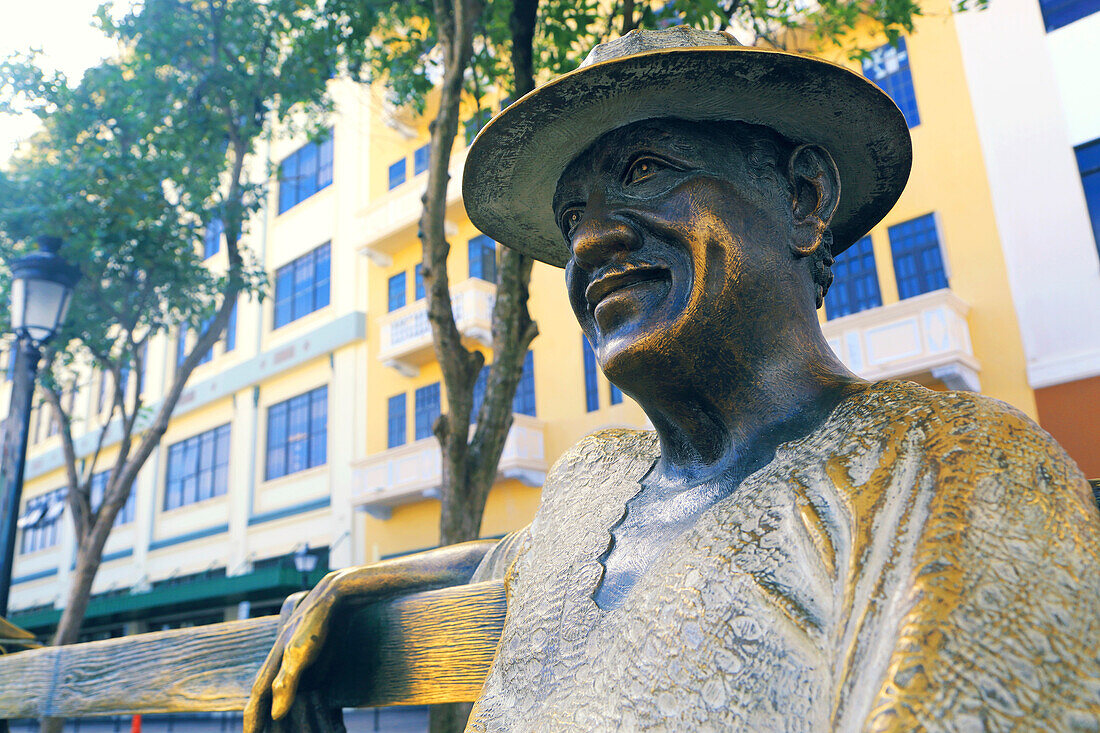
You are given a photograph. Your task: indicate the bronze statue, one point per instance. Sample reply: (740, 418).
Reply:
(792, 548)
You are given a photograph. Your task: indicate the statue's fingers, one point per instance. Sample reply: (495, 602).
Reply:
(257, 711)
(301, 650)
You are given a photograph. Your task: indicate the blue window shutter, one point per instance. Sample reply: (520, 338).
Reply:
(855, 281)
(395, 288)
(918, 264)
(305, 172)
(482, 254)
(524, 401)
(427, 408)
(231, 330)
(397, 174)
(303, 285)
(181, 344)
(591, 382)
(888, 67)
(420, 159)
(396, 416)
(1058, 13)
(1088, 163)
(418, 277)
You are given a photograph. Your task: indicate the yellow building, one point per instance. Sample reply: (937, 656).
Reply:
(326, 397)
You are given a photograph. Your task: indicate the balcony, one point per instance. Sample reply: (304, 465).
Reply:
(391, 219)
(406, 335)
(411, 473)
(925, 339)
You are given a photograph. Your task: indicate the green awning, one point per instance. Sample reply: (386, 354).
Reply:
(269, 581)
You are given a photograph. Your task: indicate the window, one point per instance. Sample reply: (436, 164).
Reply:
(888, 66)
(231, 330)
(209, 352)
(297, 433)
(302, 286)
(396, 430)
(212, 239)
(181, 344)
(104, 387)
(10, 368)
(1057, 13)
(855, 281)
(591, 381)
(99, 487)
(918, 264)
(40, 521)
(1088, 162)
(305, 172)
(395, 289)
(418, 279)
(420, 159)
(397, 174)
(483, 258)
(473, 125)
(143, 356)
(524, 401)
(426, 407)
(480, 385)
(198, 468)
(616, 395)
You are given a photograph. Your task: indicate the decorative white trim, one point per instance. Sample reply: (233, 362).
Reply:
(1062, 369)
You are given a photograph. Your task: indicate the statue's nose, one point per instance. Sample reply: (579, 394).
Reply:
(602, 234)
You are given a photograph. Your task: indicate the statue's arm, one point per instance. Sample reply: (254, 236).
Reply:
(999, 623)
(302, 639)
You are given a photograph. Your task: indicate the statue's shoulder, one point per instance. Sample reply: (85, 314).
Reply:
(602, 458)
(986, 444)
(967, 416)
(604, 449)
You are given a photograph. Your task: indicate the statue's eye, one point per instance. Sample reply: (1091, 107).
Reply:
(643, 168)
(569, 220)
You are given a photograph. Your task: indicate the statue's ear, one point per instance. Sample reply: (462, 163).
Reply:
(816, 184)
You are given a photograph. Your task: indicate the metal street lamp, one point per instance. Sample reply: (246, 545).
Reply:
(41, 289)
(305, 561)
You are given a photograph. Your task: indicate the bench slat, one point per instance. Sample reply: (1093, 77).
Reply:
(429, 647)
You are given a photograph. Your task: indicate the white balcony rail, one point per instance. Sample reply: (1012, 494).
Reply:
(406, 334)
(921, 337)
(413, 472)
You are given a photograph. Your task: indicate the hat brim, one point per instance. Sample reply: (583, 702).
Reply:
(514, 164)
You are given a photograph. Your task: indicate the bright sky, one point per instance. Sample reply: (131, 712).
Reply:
(63, 31)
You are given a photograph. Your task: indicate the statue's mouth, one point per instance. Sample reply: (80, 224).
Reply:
(616, 280)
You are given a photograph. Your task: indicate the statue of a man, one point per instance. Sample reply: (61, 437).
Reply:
(792, 548)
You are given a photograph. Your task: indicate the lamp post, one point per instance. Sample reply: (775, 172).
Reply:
(41, 288)
(305, 561)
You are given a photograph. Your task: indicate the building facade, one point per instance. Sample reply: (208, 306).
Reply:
(314, 426)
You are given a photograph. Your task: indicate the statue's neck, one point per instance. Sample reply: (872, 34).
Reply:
(716, 424)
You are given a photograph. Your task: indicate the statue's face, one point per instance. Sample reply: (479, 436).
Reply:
(678, 246)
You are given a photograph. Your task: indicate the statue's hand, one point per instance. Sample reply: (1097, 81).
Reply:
(274, 703)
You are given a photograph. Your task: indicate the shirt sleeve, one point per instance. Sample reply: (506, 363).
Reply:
(1000, 622)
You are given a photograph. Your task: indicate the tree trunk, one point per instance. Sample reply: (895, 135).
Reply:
(469, 466)
(88, 555)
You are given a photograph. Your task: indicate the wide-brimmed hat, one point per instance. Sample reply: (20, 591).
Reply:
(515, 162)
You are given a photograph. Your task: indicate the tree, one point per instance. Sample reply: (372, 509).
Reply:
(145, 156)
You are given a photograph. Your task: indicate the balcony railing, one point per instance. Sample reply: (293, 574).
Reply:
(395, 214)
(922, 338)
(413, 472)
(406, 335)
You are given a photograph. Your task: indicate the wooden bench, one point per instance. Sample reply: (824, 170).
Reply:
(423, 648)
